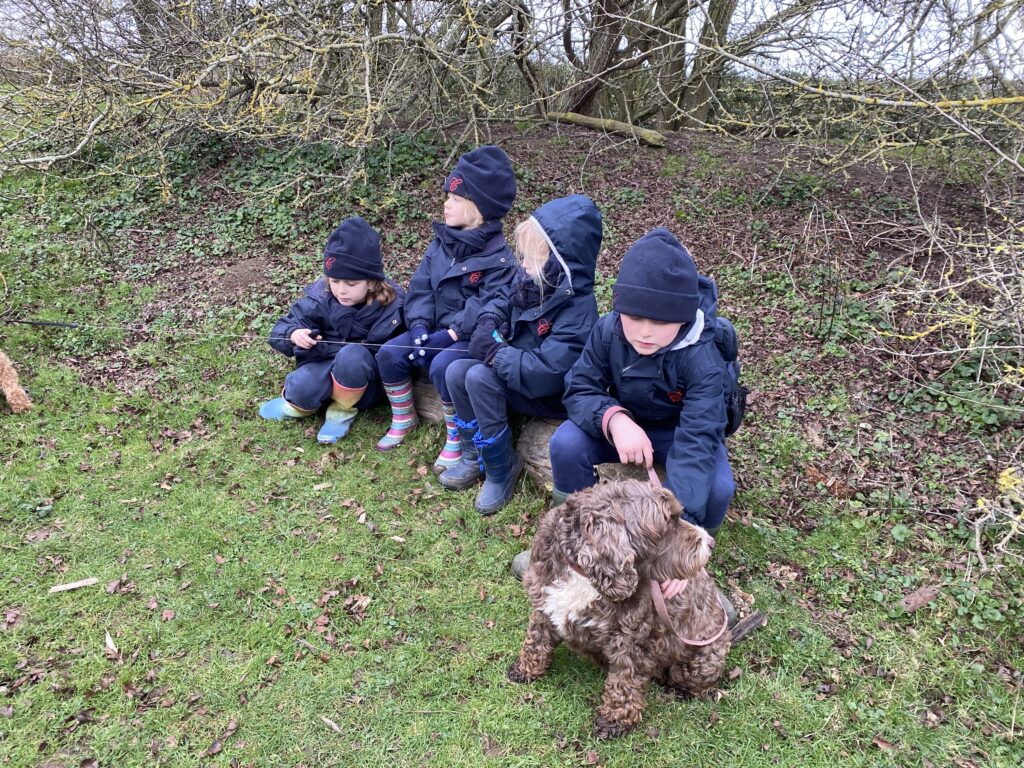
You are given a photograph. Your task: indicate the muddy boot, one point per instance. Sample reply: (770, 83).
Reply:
(403, 414)
(502, 466)
(340, 413)
(466, 473)
(520, 564)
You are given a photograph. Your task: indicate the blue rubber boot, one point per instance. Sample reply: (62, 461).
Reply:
(464, 474)
(340, 413)
(502, 466)
(280, 409)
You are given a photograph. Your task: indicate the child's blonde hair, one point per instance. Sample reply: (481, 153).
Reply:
(474, 218)
(532, 247)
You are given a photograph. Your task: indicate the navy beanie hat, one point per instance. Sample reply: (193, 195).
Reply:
(484, 176)
(353, 252)
(657, 280)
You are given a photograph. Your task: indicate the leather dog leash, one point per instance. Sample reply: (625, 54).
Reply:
(659, 606)
(659, 598)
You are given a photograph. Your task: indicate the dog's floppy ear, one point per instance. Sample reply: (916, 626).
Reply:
(605, 553)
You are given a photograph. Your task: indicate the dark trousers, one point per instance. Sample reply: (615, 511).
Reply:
(574, 454)
(309, 386)
(479, 394)
(395, 365)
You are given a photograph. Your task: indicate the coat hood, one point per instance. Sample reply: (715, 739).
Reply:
(572, 226)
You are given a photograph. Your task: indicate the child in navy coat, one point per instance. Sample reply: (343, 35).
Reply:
(521, 352)
(650, 385)
(466, 271)
(333, 331)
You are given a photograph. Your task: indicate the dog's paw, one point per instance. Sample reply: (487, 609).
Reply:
(516, 675)
(610, 729)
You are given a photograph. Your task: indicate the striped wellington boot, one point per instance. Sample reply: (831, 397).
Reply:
(451, 454)
(403, 414)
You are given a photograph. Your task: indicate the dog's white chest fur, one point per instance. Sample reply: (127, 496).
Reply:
(566, 599)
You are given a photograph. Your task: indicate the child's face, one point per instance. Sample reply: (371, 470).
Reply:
(349, 292)
(648, 336)
(455, 213)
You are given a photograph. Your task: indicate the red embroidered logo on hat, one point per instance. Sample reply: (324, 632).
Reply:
(329, 262)
(675, 396)
(543, 326)
(475, 277)
(454, 183)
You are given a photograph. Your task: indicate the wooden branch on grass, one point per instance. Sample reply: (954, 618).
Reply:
(646, 135)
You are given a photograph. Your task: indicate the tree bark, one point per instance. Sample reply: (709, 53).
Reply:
(707, 67)
(608, 21)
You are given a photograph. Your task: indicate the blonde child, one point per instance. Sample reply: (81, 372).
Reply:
(333, 332)
(466, 271)
(521, 353)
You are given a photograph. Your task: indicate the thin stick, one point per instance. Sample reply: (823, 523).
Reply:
(332, 725)
(74, 585)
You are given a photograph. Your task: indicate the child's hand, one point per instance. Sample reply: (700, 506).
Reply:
(630, 440)
(418, 334)
(672, 587)
(304, 338)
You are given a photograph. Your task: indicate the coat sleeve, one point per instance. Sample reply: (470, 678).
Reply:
(492, 298)
(419, 299)
(540, 372)
(304, 313)
(586, 385)
(690, 465)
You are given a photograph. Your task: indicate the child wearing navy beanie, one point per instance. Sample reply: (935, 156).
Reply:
(466, 272)
(650, 386)
(332, 330)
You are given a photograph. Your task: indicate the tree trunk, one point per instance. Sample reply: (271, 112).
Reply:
(672, 71)
(707, 67)
(607, 24)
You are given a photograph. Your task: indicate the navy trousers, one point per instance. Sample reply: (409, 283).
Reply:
(395, 365)
(574, 454)
(479, 394)
(309, 386)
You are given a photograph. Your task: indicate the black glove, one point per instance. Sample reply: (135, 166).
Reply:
(486, 340)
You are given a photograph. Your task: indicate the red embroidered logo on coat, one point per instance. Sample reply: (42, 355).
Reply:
(475, 277)
(543, 326)
(329, 262)
(675, 396)
(454, 183)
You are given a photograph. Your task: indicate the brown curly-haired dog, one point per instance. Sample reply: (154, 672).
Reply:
(590, 584)
(15, 395)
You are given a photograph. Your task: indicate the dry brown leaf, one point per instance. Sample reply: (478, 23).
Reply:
(881, 743)
(919, 598)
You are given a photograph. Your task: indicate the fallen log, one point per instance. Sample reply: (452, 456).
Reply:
(646, 135)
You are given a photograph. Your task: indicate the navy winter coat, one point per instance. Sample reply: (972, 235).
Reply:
(446, 292)
(319, 310)
(682, 385)
(545, 341)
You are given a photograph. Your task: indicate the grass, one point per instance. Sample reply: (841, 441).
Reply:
(274, 602)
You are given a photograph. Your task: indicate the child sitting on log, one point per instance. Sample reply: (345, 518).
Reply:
(650, 386)
(521, 351)
(467, 268)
